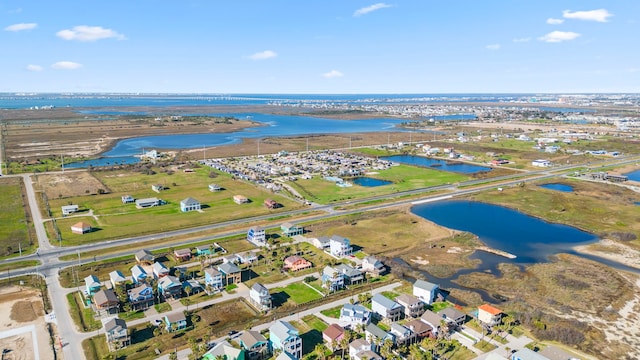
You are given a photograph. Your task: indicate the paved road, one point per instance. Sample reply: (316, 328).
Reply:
(49, 254)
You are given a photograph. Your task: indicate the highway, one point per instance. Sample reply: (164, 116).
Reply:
(49, 254)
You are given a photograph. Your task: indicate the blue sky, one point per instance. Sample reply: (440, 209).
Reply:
(320, 46)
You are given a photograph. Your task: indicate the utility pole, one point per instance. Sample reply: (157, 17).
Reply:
(3, 139)
(62, 161)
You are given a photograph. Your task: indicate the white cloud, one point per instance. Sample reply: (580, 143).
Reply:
(333, 74)
(559, 36)
(66, 65)
(21, 27)
(552, 21)
(263, 55)
(370, 8)
(599, 15)
(521, 40)
(32, 67)
(88, 33)
(493, 46)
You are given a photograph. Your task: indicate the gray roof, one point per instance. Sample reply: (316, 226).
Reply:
(451, 313)
(135, 292)
(348, 270)
(228, 268)
(169, 281)
(356, 311)
(212, 272)
(92, 281)
(250, 338)
(374, 330)
(176, 316)
(105, 296)
(385, 301)
(431, 318)
(286, 356)
(115, 324)
(137, 270)
(400, 329)
(144, 254)
(116, 276)
(407, 299)
(283, 330)
(425, 285)
(339, 239)
(527, 354)
(189, 201)
(259, 288)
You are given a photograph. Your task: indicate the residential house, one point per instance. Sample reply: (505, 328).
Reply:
(351, 275)
(541, 163)
(127, 199)
(141, 297)
(213, 278)
(145, 256)
(148, 202)
(106, 300)
(259, 297)
(240, 199)
(426, 291)
(433, 320)
(290, 229)
(182, 254)
(175, 321)
(332, 279)
(190, 204)
(376, 336)
(296, 263)
(527, 354)
(170, 287)
(138, 274)
(255, 345)
(367, 355)
(214, 187)
(402, 334)
(321, 243)
(271, 204)
(257, 236)
(116, 278)
(353, 315)
(340, 246)
(159, 270)
(453, 316)
(69, 209)
(205, 250)
(247, 257)
(413, 307)
(373, 266)
(358, 346)
(285, 356)
(231, 273)
(285, 337)
(91, 285)
(194, 286)
(386, 308)
(333, 335)
(81, 228)
(489, 315)
(157, 187)
(420, 329)
(224, 350)
(116, 332)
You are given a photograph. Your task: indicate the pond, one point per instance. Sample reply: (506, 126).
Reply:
(557, 187)
(370, 182)
(438, 164)
(634, 175)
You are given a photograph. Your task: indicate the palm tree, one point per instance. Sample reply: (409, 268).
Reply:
(344, 342)
(321, 351)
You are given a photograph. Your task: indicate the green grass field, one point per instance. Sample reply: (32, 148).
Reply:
(14, 232)
(298, 293)
(403, 177)
(113, 219)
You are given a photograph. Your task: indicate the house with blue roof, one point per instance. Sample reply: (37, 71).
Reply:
(138, 274)
(285, 337)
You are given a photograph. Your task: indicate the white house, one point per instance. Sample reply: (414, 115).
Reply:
(257, 236)
(214, 187)
(340, 246)
(541, 163)
(373, 266)
(285, 337)
(352, 315)
(386, 308)
(426, 291)
(190, 204)
(69, 209)
(259, 297)
(147, 202)
(489, 315)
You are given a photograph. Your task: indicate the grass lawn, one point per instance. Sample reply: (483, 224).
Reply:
(113, 219)
(403, 177)
(296, 292)
(437, 306)
(484, 346)
(333, 312)
(19, 265)
(14, 232)
(315, 323)
(131, 315)
(162, 307)
(83, 317)
(390, 294)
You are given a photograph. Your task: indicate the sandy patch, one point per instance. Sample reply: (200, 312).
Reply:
(612, 250)
(22, 324)
(77, 183)
(454, 250)
(420, 261)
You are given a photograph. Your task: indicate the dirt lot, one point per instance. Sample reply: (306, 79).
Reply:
(69, 184)
(22, 326)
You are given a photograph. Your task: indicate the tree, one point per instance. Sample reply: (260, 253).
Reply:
(321, 350)
(385, 349)
(344, 342)
(173, 355)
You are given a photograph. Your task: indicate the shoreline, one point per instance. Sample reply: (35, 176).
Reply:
(611, 250)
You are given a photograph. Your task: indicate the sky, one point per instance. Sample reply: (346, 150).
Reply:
(320, 46)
